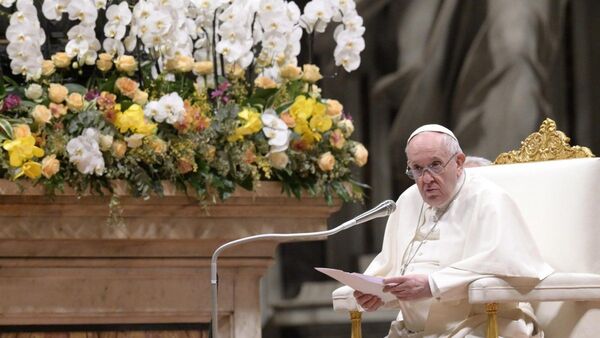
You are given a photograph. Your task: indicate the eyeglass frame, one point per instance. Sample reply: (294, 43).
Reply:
(409, 171)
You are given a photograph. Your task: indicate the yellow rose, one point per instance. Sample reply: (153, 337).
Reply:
(48, 68)
(57, 93)
(140, 97)
(326, 161)
(290, 72)
(75, 101)
(311, 73)
(334, 108)
(61, 60)
(119, 148)
(58, 110)
(279, 160)
(360, 154)
(203, 68)
(180, 63)
(126, 63)
(41, 114)
(105, 142)
(104, 62)
(127, 86)
(265, 82)
(50, 166)
(21, 130)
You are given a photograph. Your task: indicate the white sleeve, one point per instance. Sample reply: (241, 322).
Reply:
(451, 283)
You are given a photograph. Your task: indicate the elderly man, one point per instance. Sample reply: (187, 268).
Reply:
(448, 230)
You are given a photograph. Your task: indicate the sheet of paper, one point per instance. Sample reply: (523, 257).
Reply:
(357, 281)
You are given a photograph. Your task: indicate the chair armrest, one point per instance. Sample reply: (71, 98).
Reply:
(556, 287)
(343, 299)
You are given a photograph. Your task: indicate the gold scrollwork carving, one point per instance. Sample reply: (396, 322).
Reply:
(544, 145)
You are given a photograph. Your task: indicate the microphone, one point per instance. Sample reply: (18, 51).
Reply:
(383, 209)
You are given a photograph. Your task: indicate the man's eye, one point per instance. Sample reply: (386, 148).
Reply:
(436, 164)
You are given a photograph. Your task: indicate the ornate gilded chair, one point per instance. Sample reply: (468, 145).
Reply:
(560, 201)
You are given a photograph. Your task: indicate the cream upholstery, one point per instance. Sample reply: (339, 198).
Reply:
(560, 201)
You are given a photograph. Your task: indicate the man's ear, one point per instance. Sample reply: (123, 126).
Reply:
(460, 161)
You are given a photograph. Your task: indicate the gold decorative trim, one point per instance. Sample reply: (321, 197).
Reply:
(544, 145)
(355, 317)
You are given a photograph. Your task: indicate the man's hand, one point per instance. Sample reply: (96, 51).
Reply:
(408, 287)
(367, 301)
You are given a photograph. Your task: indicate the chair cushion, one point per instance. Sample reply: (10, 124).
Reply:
(559, 286)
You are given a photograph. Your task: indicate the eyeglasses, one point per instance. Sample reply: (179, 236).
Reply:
(434, 168)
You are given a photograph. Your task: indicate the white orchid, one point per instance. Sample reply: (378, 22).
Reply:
(169, 108)
(275, 130)
(84, 152)
(25, 38)
(53, 9)
(7, 3)
(83, 10)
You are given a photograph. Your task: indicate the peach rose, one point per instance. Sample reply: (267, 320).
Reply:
(311, 73)
(48, 68)
(326, 161)
(127, 86)
(61, 60)
(180, 63)
(58, 109)
(140, 97)
(75, 101)
(203, 68)
(334, 108)
(265, 82)
(360, 154)
(279, 160)
(126, 63)
(50, 166)
(158, 145)
(119, 148)
(290, 72)
(41, 114)
(336, 139)
(21, 130)
(104, 62)
(288, 119)
(105, 142)
(57, 93)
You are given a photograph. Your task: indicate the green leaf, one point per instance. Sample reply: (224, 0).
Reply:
(6, 129)
(76, 88)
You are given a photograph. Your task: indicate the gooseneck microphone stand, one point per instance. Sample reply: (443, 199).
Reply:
(385, 208)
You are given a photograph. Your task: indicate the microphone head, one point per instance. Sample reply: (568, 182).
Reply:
(384, 209)
(390, 206)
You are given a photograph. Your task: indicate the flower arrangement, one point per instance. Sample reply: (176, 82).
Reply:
(207, 94)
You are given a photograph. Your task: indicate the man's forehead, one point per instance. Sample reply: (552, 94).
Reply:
(426, 146)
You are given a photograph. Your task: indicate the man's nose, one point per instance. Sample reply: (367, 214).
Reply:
(427, 176)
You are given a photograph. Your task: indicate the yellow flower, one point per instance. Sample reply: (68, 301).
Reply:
(303, 108)
(133, 120)
(31, 169)
(321, 123)
(21, 150)
(252, 125)
(75, 102)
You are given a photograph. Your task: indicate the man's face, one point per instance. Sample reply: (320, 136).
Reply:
(426, 149)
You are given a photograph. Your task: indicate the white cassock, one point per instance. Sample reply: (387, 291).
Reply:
(480, 232)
